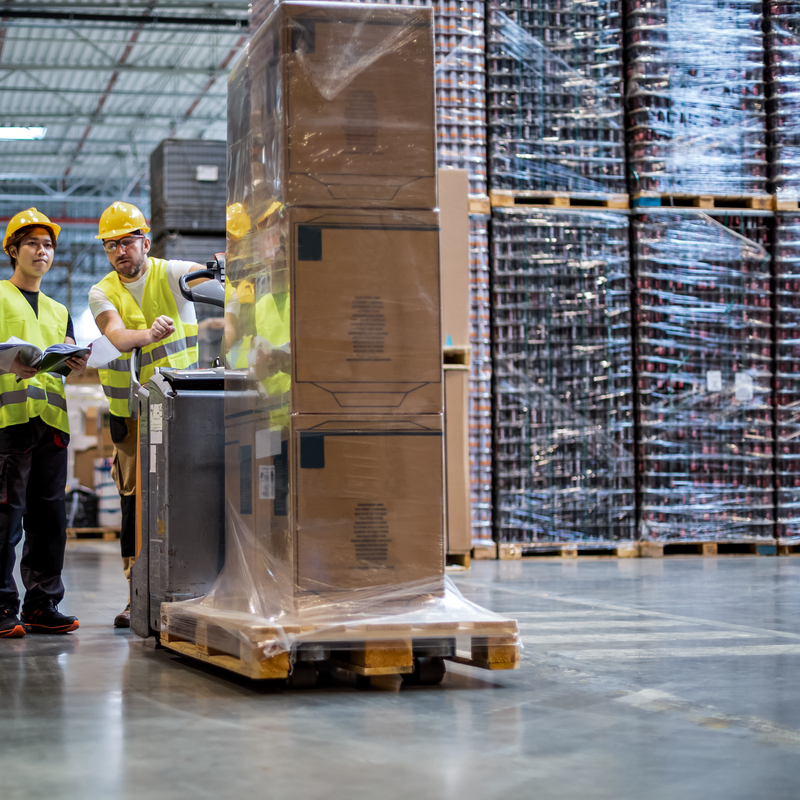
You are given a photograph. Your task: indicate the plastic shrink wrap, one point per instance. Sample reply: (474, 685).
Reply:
(783, 97)
(704, 371)
(333, 394)
(695, 96)
(555, 96)
(563, 375)
(480, 380)
(787, 378)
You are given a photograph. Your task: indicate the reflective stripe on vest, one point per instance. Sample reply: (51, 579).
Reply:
(179, 350)
(43, 395)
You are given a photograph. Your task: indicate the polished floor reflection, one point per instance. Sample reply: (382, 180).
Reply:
(657, 679)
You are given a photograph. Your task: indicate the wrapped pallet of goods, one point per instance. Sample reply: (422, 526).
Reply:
(555, 102)
(703, 301)
(695, 97)
(564, 383)
(787, 374)
(783, 99)
(334, 547)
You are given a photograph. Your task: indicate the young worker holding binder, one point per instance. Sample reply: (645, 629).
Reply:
(34, 434)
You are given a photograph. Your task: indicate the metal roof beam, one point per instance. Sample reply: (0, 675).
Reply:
(240, 6)
(121, 120)
(148, 20)
(117, 92)
(165, 69)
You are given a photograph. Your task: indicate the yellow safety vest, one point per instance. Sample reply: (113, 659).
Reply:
(178, 350)
(273, 323)
(43, 395)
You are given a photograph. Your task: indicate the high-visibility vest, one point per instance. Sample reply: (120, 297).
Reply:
(178, 350)
(273, 323)
(42, 395)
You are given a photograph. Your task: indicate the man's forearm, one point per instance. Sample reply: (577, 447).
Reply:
(125, 340)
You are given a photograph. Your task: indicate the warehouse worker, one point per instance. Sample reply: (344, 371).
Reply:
(34, 434)
(137, 305)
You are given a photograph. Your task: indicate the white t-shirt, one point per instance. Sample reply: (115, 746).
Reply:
(99, 302)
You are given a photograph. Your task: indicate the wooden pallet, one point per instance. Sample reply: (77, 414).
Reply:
(577, 550)
(107, 534)
(679, 200)
(455, 356)
(784, 205)
(790, 548)
(458, 560)
(744, 548)
(480, 205)
(505, 198)
(487, 552)
(234, 642)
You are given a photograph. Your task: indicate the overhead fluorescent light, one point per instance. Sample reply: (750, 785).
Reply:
(22, 133)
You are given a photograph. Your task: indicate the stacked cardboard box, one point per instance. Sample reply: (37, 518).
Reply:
(704, 373)
(787, 373)
(695, 96)
(563, 377)
(555, 96)
(460, 81)
(334, 458)
(783, 97)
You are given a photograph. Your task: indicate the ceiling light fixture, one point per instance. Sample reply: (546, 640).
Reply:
(22, 133)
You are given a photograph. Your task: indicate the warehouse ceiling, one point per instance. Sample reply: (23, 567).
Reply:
(108, 80)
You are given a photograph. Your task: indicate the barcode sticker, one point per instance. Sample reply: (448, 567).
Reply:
(743, 387)
(714, 380)
(266, 482)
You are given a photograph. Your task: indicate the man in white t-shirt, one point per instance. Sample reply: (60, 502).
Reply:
(137, 305)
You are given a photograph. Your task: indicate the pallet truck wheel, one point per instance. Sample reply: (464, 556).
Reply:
(304, 676)
(428, 671)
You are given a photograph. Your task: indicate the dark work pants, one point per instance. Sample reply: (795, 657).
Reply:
(33, 476)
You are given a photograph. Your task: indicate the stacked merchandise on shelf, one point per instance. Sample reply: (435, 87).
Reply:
(703, 338)
(564, 415)
(695, 97)
(787, 377)
(480, 390)
(187, 201)
(555, 96)
(460, 41)
(783, 97)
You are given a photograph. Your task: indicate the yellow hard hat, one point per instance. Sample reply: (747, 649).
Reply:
(237, 221)
(29, 217)
(120, 218)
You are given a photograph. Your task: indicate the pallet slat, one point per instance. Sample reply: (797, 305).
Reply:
(680, 200)
(505, 198)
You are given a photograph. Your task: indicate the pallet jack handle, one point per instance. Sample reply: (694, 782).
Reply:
(212, 291)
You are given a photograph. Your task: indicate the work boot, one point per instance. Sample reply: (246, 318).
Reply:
(48, 619)
(10, 625)
(123, 620)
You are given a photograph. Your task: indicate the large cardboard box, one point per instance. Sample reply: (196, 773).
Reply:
(456, 425)
(343, 312)
(98, 423)
(340, 505)
(454, 222)
(334, 105)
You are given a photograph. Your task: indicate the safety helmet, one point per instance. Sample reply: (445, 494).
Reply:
(237, 220)
(29, 217)
(120, 218)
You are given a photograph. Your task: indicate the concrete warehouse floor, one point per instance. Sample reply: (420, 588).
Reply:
(654, 679)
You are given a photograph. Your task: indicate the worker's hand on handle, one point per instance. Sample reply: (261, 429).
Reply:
(78, 365)
(22, 371)
(161, 328)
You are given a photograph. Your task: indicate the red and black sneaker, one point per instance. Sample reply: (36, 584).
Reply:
(47, 619)
(10, 625)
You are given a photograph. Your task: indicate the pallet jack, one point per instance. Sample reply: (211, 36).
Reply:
(181, 479)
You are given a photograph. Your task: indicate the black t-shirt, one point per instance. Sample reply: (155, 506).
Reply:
(33, 299)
